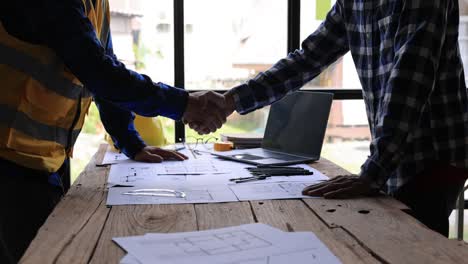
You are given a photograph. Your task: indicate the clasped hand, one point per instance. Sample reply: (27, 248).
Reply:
(207, 111)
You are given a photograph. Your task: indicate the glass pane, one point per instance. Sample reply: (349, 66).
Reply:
(142, 34)
(247, 38)
(347, 137)
(341, 74)
(229, 41)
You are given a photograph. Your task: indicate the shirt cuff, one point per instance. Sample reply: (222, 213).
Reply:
(130, 150)
(173, 103)
(374, 174)
(130, 144)
(244, 99)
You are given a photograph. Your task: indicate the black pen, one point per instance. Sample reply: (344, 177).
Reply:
(248, 179)
(283, 173)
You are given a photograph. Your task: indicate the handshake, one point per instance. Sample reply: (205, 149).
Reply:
(207, 111)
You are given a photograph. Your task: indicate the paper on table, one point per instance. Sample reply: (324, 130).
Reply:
(317, 176)
(194, 194)
(139, 173)
(247, 244)
(307, 255)
(113, 157)
(269, 191)
(223, 245)
(129, 259)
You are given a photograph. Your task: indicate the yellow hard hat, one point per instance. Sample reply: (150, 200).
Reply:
(150, 130)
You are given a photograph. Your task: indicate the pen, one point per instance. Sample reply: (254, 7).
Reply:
(276, 166)
(277, 169)
(248, 179)
(282, 173)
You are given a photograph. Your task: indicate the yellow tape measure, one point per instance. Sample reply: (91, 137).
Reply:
(223, 146)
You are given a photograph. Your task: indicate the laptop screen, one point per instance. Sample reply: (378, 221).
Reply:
(297, 124)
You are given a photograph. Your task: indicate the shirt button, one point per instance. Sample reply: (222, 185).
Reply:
(368, 35)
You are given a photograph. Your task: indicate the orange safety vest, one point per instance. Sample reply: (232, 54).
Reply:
(43, 105)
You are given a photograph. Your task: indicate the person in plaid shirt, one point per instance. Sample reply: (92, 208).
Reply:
(408, 61)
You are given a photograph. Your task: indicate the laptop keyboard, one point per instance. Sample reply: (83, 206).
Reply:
(285, 157)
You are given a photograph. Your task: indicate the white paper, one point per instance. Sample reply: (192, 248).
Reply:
(220, 245)
(140, 173)
(195, 171)
(194, 194)
(246, 244)
(270, 191)
(317, 176)
(113, 157)
(309, 256)
(129, 259)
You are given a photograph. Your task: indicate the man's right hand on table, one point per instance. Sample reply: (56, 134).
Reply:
(341, 187)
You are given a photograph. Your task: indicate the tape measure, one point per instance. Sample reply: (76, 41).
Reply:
(223, 146)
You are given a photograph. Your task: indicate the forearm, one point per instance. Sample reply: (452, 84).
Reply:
(119, 124)
(70, 34)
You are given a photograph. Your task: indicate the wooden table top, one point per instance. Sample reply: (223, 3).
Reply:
(367, 230)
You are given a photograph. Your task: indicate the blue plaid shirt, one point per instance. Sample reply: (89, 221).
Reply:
(408, 61)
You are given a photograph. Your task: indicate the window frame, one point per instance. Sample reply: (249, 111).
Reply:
(293, 43)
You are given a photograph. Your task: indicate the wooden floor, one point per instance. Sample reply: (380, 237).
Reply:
(371, 230)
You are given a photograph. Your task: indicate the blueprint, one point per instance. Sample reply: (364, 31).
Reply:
(193, 194)
(140, 173)
(268, 191)
(246, 244)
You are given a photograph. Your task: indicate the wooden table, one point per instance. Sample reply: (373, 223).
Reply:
(370, 230)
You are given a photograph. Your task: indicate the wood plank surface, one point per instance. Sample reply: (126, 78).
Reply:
(368, 230)
(138, 220)
(294, 215)
(328, 168)
(388, 232)
(331, 170)
(74, 226)
(211, 216)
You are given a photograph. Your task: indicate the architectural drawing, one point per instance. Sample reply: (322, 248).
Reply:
(200, 194)
(262, 191)
(214, 244)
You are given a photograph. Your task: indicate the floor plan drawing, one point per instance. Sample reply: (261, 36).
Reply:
(147, 173)
(112, 157)
(216, 244)
(199, 194)
(278, 190)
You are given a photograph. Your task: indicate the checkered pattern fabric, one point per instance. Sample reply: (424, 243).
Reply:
(408, 61)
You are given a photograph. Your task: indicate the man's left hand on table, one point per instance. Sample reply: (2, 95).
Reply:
(155, 154)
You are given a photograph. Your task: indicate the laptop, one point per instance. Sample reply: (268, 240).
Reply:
(294, 131)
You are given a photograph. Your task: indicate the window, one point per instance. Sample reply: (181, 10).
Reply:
(163, 28)
(463, 43)
(144, 42)
(347, 137)
(233, 42)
